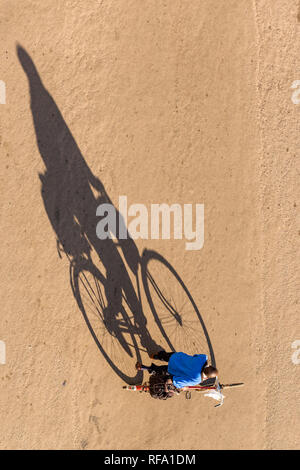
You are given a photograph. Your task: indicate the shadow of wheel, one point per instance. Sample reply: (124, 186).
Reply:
(173, 307)
(113, 335)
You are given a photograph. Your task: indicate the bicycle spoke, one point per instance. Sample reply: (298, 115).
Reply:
(93, 306)
(89, 292)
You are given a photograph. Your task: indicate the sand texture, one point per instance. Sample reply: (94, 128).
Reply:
(175, 101)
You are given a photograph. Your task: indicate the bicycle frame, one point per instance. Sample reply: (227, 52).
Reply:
(216, 386)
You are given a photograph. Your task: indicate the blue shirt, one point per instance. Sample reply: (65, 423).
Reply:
(186, 370)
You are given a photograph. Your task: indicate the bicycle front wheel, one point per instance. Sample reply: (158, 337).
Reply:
(241, 384)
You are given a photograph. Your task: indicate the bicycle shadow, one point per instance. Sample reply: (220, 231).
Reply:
(166, 313)
(67, 189)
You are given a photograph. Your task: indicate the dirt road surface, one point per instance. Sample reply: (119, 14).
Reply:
(175, 102)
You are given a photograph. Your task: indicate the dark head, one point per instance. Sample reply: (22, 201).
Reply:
(157, 387)
(210, 372)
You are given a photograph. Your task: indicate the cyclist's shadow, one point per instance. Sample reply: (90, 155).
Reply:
(68, 188)
(68, 191)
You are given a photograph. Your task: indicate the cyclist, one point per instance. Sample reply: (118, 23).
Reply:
(183, 370)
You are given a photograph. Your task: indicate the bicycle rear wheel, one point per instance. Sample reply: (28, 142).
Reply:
(136, 388)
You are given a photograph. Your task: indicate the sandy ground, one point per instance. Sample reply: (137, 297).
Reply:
(164, 102)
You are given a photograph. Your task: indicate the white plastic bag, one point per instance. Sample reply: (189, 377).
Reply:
(216, 395)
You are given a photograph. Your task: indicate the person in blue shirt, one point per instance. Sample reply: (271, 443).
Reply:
(183, 370)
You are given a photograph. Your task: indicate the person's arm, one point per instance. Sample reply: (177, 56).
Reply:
(173, 389)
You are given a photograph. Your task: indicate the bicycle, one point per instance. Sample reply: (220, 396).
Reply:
(216, 388)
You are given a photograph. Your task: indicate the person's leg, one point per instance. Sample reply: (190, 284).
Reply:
(161, 370)
(162, 356)
(140, 366)
(153, 368)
